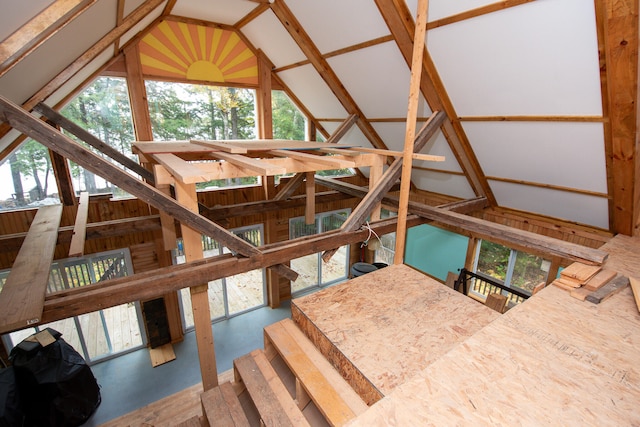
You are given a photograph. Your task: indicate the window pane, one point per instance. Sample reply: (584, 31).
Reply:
(288, 121)
(245, 291)
(386, 251)
(298, 228)
(216, 299)
(123, 327)
(27, 178)
(67, 327)
(307, 269)
(528, 271)
(493, 259)
(94, 333)
(336, 268)
(187, 308)
(103, 110)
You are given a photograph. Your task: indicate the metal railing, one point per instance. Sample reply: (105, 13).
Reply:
(481, 284)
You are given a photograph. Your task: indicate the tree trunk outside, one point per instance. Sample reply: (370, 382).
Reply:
(17, 180)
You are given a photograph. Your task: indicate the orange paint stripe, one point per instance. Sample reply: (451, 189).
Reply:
(244, 66)
(161, 57)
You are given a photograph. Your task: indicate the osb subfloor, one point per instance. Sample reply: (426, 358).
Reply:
(553, 360)
(388, 325)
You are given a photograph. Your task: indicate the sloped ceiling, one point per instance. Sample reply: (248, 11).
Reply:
(521, 80)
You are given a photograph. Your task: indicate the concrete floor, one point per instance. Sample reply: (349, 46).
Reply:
(130, 382)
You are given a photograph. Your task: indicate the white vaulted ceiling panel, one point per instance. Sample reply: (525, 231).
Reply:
(313, 92)
(144, 23)
(443, 8)
(353, 137)
(581, 208)
(80, 77)
(539, 58)
(393, 135)
(17, 13)
(267, 33)
(557, 153)
(335, 24)
(131, 5)
(219, 11)
(379, 87)
(62, 49)
(443, 183)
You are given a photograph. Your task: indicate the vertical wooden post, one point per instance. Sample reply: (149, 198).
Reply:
(310, 210)
(375, 173)
(137, 94)
(192, 242)
(263, 98)
(412, 114)
(143, 132)
(553, 269)
(471, 253)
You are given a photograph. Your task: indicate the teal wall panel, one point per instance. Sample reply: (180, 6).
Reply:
(435, 251)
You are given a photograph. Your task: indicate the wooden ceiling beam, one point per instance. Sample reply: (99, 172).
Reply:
(286, 190)
(342, 129)
(66, 124)
(148, 285)
(391, 175)
(126, 226)
(254, 166)
(512, 237)
(39, 29)
(52, 138)
(401, 24)
(302, 39)
(330, 161)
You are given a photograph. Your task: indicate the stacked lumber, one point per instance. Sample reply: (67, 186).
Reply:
(582, 281)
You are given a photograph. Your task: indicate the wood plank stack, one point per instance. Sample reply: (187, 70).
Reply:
(582, 280)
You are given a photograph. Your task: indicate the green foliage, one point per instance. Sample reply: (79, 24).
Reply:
(288, 121)
(185, 111)
(32, 159)
(103, 110)
(493, 259)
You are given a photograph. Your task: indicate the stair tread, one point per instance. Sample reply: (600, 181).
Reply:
(331, 393)
(270, 396)
(191, 422)
(221, 407)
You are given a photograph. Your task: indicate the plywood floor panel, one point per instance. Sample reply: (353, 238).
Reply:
(553, 360)
(390, 323)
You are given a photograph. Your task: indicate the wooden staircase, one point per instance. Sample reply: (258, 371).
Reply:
(289, 383)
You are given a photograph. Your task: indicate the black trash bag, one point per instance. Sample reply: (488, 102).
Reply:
(10, 410)
(57, 387)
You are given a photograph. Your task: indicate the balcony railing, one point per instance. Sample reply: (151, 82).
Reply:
(481, 284)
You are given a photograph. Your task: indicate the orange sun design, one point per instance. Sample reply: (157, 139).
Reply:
(194, 52)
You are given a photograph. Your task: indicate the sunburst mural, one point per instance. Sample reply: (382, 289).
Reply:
(179, 50)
